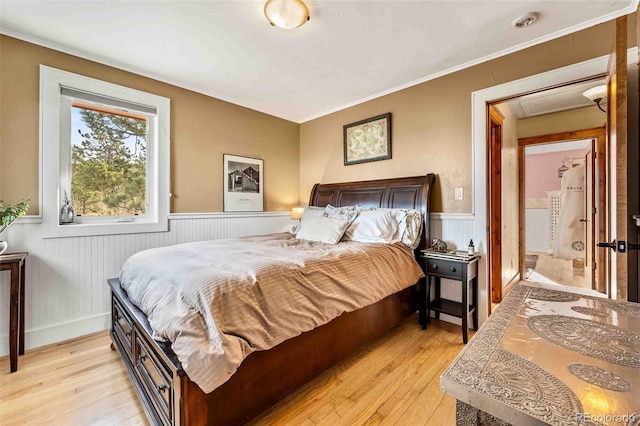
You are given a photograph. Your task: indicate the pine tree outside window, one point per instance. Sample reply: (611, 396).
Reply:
(108, 171)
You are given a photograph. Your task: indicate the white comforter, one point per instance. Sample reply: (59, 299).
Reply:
(218, 301)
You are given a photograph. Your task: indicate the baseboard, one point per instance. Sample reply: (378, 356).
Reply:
(507, 288)
(59, 332)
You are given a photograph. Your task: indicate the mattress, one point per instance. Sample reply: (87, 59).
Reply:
(219, 301)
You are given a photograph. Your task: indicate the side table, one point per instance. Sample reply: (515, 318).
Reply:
(15, 263)
(457, 266)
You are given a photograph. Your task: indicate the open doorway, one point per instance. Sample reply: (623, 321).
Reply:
(543, 121)
(559, 201)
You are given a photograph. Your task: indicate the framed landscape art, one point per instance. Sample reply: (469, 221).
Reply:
(368, 140)
(243, 184)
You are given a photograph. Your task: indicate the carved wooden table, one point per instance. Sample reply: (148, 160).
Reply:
(550, 357)
(16, 264)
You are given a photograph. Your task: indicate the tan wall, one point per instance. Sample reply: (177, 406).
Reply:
(431, 122)
(560, 122)
(202, 129)
(510, 188)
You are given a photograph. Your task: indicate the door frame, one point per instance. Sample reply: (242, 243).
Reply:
(480, 101)
(599, 134)
(496, 120)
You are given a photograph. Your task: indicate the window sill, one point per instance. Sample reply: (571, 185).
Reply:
(115, 228)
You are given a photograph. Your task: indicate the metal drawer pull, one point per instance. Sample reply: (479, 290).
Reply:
(143, 357)
(127, 333)
(161, 388)
(453, 269)
(434, 266)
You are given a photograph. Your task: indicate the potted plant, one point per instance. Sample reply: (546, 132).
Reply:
(8, 214)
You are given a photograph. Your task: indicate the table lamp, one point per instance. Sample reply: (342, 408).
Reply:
(296, 214)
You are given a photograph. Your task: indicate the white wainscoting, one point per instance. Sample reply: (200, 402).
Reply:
(66, 290)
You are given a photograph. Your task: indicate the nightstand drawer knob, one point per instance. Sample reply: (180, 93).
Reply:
(434, 266)
(453, 269)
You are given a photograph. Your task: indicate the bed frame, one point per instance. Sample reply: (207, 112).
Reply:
(265, 377)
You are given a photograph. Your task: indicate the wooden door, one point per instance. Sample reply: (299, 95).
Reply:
(617, 140)
(589, 219)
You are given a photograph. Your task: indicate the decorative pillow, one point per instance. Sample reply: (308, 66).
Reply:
(412, 234)
(373, 226)
(346, 213)
(323, 229)
(309, 212)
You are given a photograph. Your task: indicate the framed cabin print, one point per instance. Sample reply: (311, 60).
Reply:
(368, 140)
(243, 184)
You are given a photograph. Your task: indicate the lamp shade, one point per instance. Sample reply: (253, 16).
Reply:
(287, 14)
(596, 93)
(296, 212)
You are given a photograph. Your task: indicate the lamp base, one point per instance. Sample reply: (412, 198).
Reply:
(3, 246)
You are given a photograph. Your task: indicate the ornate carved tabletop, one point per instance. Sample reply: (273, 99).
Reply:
(550, 357)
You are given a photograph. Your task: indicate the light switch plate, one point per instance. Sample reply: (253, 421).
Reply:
(458, 194)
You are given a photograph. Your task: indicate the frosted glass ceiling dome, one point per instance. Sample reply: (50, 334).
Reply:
(287, 14)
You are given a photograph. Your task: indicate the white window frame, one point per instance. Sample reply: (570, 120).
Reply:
(53, 174)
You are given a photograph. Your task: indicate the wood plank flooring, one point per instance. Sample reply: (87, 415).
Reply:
(393, 381)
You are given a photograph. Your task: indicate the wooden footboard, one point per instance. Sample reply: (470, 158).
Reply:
(263, 379)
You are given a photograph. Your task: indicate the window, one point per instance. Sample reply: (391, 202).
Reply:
(105, 148)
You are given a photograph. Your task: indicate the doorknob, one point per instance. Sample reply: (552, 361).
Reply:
(583, 220)
(631, 246)
(611, 245)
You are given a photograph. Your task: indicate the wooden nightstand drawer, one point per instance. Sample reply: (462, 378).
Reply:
(444, 268)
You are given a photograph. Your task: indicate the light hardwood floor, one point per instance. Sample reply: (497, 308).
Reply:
(395, 380)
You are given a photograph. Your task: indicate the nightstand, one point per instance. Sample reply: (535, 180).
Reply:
(457, 266)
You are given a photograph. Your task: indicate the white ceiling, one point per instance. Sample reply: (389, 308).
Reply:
(554, 100)
(350, 51)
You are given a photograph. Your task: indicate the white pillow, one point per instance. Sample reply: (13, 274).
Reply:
(373, 226)
(410, 223)
(323, 229)
(309, 212)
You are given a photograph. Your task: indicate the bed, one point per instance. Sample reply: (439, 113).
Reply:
(264, 377)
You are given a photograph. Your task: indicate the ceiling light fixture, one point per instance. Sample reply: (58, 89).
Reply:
(287, 14)
(596, 94)
(525, 21)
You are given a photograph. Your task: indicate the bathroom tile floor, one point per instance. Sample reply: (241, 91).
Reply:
(556, 271)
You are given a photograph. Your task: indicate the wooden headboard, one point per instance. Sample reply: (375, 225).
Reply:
(400, 193)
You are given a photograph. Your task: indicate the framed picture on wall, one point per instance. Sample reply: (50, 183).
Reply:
(243, 184)
(368, 140)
